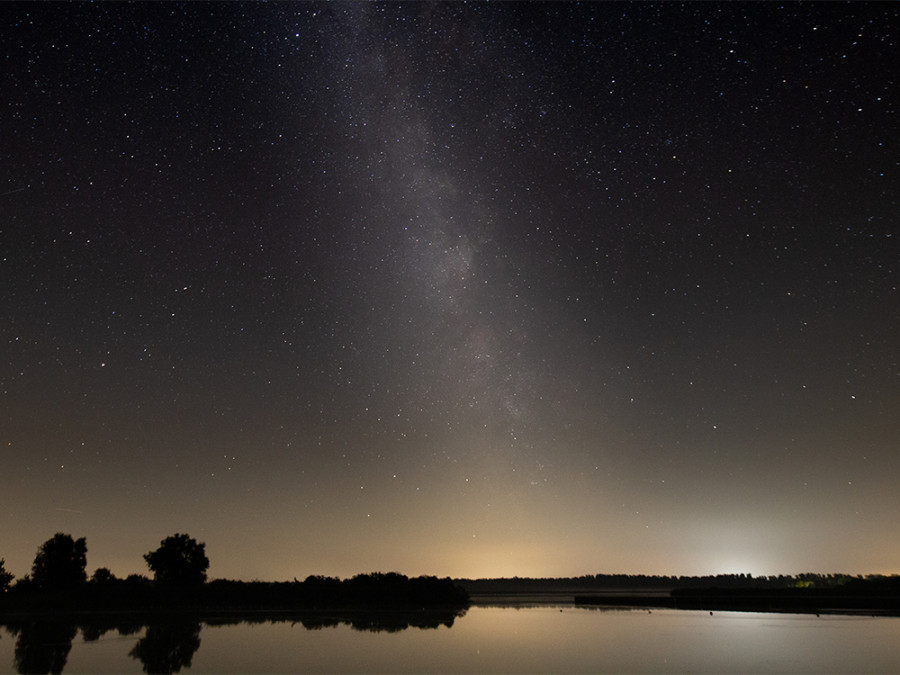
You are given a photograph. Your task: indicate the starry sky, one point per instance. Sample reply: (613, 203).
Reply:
(457, 289)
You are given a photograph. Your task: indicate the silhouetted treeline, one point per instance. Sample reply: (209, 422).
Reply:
(377, 590)
(364, 590)
(642, 582)
(58, 581)
(873, 593)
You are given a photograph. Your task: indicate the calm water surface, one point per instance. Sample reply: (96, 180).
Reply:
(538, 639)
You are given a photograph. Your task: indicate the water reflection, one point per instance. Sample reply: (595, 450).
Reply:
(383, 622)
(169, 642)
(168, 646)
(42, 644)
(488, 639)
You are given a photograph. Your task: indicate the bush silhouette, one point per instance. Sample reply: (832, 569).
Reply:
(102, 576)
(179, 560)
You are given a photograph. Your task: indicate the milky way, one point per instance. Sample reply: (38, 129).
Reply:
(457, 289)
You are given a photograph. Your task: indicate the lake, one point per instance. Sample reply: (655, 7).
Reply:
(483, 639)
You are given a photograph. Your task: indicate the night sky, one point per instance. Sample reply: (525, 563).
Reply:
(455, 289)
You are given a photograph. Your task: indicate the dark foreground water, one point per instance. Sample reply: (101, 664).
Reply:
(536, 639)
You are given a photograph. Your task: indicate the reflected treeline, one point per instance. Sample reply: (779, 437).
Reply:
(387, 622)
(169, 642)
(168, 646)
(43, 641)
(42, 645)
(390, 621)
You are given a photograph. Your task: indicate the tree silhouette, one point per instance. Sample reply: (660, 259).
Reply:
(102, 575)
(60, 562)
(5, 577)
(180, 559)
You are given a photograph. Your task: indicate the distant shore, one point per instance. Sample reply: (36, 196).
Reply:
(809, 593)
